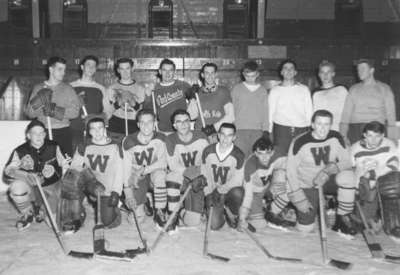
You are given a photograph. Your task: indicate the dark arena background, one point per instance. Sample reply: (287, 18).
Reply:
(190, 33)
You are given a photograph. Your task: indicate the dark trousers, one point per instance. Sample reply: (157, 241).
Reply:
(283, 135)
(63, 136)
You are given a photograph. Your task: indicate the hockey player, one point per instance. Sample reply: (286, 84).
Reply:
(144, 162)
(369, 100)
(170, 95)
(290, 107)
(39, 156)
(99, 161)
(222, 165)
(329, 96)
(55, 99)
(250, 101)
(315, 157)
(91, 94)
(185, 148)
(124, 92)
(373, 157)
(215, 100)
(264, 174)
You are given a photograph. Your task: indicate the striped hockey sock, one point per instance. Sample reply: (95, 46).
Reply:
(173, 194)
(345, 200)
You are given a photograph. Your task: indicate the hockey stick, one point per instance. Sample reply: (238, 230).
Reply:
(53, 224)
(171, 217)
(126, 119)
(153, 99)
(49, 128)
(266, 252)
(205, 243)
(324, 245)
(99, 249)
(373, 245)
(139, 230)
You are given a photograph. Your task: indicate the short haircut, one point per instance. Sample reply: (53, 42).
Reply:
(144, 112)
(177, 113)
(208, 64)
(250, 66)
(321, 113)
(51, 62)
(83, 61)
(369, 62)
(34, 123)
(94, 120)
(167, 61)
(287, 61)
(326, 63)
(120, 61)
(227, 125)
(263, 144)
(374, 126)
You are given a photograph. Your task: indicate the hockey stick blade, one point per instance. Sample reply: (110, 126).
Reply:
(116, 256)
(392, 259)
(137, 251)
(217, 257)
(80, 255)
(340, 264)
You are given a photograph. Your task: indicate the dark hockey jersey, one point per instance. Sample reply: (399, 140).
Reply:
(223, 174)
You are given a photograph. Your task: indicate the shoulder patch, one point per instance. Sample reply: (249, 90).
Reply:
(130, 141)
(338, 136)
(239, 156)
(171, 141)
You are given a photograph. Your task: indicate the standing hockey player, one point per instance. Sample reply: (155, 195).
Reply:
(290, 107)
(125, 93)
(91, 94)
(264, 172)
(316, 158)
(56, 100)
(39, 156)
(250, 100)
(144, 163)
(329, 96)
(170, 94)
(369, 100)
(215, 100)
(185, 148)
(99, 161)
(375, 156)
(222, 165)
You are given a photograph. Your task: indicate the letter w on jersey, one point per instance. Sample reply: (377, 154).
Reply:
(140, 157)
(321, 154)
(189, 158)
(100, 161)
(220, 173)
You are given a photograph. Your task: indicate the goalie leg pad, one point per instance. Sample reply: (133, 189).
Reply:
(21, 194)
(110, 215)
(305, 219)
(71, 185)
(389, 191)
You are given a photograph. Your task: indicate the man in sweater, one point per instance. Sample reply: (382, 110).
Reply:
(170, 94)
(124, 99)
(250, 101)
(91, 94)
(369, 100)
(329, 96)
(215, 100)
(55, 103)
(320, 158)
(222, 166)
(290, 107)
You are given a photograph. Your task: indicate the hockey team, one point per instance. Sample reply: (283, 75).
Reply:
(251, 157)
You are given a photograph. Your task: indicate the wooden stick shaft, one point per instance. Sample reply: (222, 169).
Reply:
(49, 128)
(324, 240)
(126, 119)
(203, 122)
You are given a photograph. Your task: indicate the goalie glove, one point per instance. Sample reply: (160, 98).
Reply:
(323, 176)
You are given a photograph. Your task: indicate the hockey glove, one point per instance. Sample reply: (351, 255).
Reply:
(191, 92)
(130, 200)
(114, 199)
(300, 201)
(52, 110)
(42, 97)
(213, 199)
(323, 176)
(209, 130)
(199, 183)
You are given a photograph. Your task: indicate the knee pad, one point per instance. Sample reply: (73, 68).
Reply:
(234, 199)
(194, 202)
(158, 178)
(20, 191)
(191, 218)
(174, 177)
(346, 178)
(389, 185)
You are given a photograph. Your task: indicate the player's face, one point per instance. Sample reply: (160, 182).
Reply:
(125, 70)
(226, 137)
(326, 74)
(182, 124)
(264, 156)
(288, 71)
(372, 139)
(321, 127)
(167, 73)
(209, 74)
(36, 136)
(364, 71)
(89, 68)
(57, 71)
(251, 77)
(97, 131)
(146, 124)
